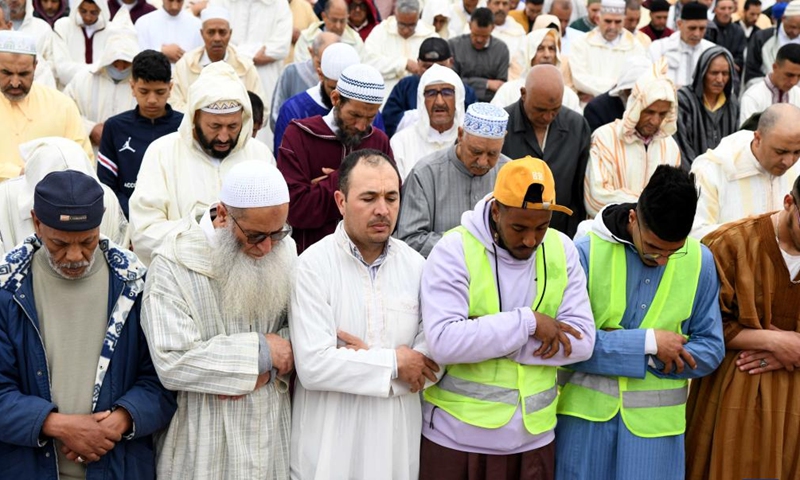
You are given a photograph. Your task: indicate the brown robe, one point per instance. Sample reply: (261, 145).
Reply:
(742, 425)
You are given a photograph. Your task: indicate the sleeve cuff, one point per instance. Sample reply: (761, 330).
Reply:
(394, 365)
(531, 321)
(650, 345)
(264, 355)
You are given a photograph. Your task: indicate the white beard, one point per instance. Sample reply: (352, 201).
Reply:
(252, 289)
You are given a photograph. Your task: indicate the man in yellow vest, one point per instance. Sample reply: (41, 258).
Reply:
(654, 295)
(504, 304)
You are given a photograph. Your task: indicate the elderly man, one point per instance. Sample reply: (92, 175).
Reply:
(708, 109)
(539, 127)
(298, 77)
(361, 355)
(727, 34)
(504, 304)
(183, 170)
(334, 20)
(104, 90)
(403, 97)
(447, 183)
(393, 45)
(313, 149)
(80, 393)
(657, 28)
(682, 49)
(758, 264)
(440, 96)
(654, 295)
(748, 173)
(588, 22)
(481, 62)
(42, 157)
(542, 49)
(171, 30)
(596, 59)
(527, 16)
(216, 36)
(317, 99)
(126, 136)
(29, 110)
(509, 32)
(262, 32)
(625, 153)
(222, 344)
(764, 45)
(779, 86)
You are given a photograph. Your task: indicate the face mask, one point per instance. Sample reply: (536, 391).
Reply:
(116, 74)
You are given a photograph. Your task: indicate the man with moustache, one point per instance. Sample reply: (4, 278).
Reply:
(182, 171)
(313, 149)
(360, 350)
(481, 60)
(215, 319)
(449, 182)
(79, 394)
(440, 95)
(682, 49)
(749, 172)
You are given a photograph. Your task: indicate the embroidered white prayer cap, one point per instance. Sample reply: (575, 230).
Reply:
(222, 107)
(213, 12)
(612, 7)
(792, 9)
(361, 82)
(12, 41)
(254, 184)
(335, 58)
(485, 120)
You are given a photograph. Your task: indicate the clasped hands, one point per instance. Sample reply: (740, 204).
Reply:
(86, 438)
(553, 335)
(282, 355)
(412, 366)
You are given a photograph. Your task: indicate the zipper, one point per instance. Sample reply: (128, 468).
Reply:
(47, 367)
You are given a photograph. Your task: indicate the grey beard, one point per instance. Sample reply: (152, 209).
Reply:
(251, 289)
(58, 266)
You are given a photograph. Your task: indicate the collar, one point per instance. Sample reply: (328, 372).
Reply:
(316, 95)
(353, 249)
(205, 61)
(772, 88)
(140, 117)
(720, 103)
(434, 136)
(330, 121)
(207, 225)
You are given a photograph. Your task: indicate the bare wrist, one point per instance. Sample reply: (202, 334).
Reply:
(53, 425)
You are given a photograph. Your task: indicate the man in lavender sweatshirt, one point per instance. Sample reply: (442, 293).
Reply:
(504, 303)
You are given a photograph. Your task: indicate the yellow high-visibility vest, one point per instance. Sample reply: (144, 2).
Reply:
(487, 394)
(653, 406)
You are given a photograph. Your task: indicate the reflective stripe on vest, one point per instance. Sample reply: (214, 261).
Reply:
(486, 394)
(653, 406)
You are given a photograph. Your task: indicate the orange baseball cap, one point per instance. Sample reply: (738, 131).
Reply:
(527, 183)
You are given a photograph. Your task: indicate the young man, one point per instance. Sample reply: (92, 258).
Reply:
(126, 136)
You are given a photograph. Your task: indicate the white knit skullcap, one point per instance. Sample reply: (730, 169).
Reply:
(335, 58)
(254, 184)
(612, 7)
(793, 9)
(15, 42)
(213, 12)
(361, 82)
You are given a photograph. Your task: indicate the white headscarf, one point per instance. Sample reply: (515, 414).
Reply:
(434, 8)
(439, 74)
(122, 43)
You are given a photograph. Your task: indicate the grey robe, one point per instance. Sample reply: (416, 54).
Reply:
(475, 67)
(437, 191)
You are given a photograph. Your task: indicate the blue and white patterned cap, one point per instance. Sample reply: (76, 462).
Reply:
(485, 120)
(361, 82)
(15, 42)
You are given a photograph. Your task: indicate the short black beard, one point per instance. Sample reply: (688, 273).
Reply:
(326, 99)
(208, 147)
(349, 141)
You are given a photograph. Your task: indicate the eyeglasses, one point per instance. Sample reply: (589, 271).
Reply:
(656, 256)
(446, 93)
(256, 238)
(357, 6)
(407, 26)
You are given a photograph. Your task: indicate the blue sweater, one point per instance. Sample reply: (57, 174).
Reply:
(125, 139)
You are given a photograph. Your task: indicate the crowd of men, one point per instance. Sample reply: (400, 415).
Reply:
(399, 239)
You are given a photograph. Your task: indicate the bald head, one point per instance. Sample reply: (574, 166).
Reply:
(335, 16)
(776, 142)
(321, 43)
(542, 95)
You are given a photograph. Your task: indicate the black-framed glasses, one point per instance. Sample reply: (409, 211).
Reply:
(656, 256)
(256, 238)
(433, 93)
